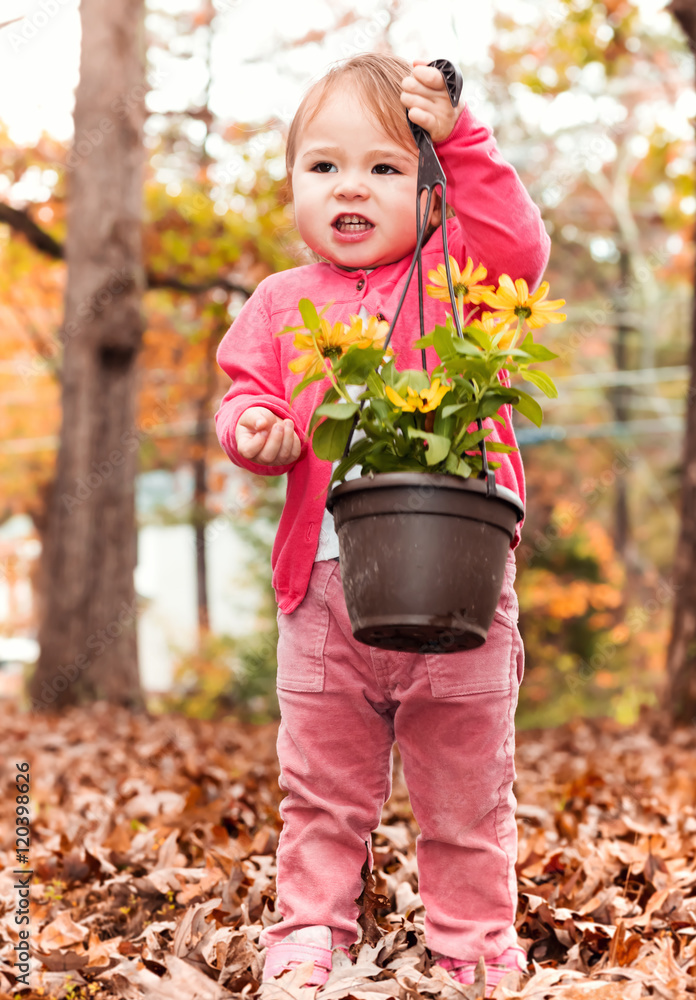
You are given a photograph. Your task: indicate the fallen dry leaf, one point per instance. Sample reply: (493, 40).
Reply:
(153, 848)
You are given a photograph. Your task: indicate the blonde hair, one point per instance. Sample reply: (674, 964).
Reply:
(376, 78)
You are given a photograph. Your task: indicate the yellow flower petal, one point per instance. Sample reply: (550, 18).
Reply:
(522, 291)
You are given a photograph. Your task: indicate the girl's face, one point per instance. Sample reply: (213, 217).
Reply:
(354, 188)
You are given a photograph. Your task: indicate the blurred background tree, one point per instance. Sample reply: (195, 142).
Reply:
(681, 660)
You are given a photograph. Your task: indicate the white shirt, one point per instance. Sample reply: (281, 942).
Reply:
(328, 539)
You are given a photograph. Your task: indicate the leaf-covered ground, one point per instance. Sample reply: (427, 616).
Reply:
(153, 846)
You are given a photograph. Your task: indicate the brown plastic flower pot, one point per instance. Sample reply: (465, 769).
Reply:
(422, 558)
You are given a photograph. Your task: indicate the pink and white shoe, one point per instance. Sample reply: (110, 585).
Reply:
(513, 959)
(308, 943)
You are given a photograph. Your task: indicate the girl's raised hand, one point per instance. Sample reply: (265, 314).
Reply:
(425, 95)
(265, 438)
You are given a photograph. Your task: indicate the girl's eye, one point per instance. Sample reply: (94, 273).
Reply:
(319, 167)
(382, 168)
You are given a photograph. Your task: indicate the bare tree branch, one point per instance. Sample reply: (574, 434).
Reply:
(21, 222)
(684, 12)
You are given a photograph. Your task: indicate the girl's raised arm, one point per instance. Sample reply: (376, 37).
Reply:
(500, 226)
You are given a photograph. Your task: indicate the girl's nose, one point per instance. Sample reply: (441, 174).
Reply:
(350, 185)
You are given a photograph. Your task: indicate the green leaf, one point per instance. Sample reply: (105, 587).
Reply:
(499, 446)
(337, 411)
(307, 380)
(356, 364)
(464, 347)
(354, 457)
(528, 407)
(416, 378)
(389, 373)
(448, 411)
(375, 385)
(330, 439)
(457, 466)
(309, 314)
(479, 337)
(380, 409)
(472, 440)
(490, 404)
(542, 381)
(443, 425)
(287, 329)
(470, 367)
(515, 352)
(443, 341)
(386, 461)
(536, 351)
(424, 341)
(330, 396)
(438, 446)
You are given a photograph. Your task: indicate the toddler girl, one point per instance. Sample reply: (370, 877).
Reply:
(352, 166)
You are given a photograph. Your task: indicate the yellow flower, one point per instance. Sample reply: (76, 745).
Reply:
(333, 342)
(492, 326)
(513, 301)
(425, 400)
(465, 283)
(372, 336)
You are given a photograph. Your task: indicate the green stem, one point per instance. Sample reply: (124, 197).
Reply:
(469, 315)
(329, 370)
(517, 332)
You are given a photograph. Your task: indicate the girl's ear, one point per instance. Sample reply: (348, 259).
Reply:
(435, 211)
(435, 217)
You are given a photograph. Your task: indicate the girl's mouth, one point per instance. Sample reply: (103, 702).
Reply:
(351, 227)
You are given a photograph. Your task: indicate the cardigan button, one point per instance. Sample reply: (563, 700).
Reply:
(360, 285)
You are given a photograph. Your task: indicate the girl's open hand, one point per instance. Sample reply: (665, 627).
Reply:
(265, 438)
(425, 95)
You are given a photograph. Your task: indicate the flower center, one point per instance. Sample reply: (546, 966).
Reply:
(461, 289)
(331, 351)
(524, 311)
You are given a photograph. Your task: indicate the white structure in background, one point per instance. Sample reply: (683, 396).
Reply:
(19, 547)
(165, 577)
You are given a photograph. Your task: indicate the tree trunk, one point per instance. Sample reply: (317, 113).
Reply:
(681, 656)
(621, 401)
(200, 470)
(88, 631)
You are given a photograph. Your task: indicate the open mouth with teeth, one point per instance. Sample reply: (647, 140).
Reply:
(352, 224)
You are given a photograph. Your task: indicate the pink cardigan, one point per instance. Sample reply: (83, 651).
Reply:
(496, 224)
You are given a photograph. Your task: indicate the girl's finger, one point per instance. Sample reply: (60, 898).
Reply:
(286, 443)
(425, 93)
(425, 119)
(420, 101)
(252, 443)
(268, 453)
(429, 76)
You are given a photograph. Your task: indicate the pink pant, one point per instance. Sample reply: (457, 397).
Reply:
(343, 704)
